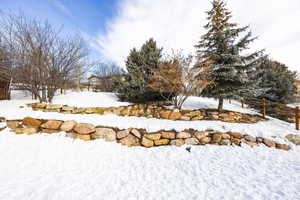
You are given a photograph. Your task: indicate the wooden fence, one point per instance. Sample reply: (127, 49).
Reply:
(275, 109)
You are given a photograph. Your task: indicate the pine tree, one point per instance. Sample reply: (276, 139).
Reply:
(221, 47)
(133, 86)
(276, 82)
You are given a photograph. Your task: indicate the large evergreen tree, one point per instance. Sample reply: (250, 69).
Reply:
(221, 47)
(277, 82)
(133, 86)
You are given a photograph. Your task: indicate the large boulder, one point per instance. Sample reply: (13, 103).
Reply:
(201, 134)
(153, 136)
(216, 138)
(27, 130)
(123, 133)
(106, 133)
(164, 114)
(136, 133)
(84, 128)
(68, 125)
(283, 147)
(191, 141)
(183, 135)
(147, 143)
(168, 134)
(13, 124)
(52, 124)
(29, 121)
(175, 115)
(130, 141)
(85, 137)
(236, 135)
(177, 142)
(161, 142)
(269, 143)
(293, 138)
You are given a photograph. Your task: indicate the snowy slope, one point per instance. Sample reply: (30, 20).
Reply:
(39, 167)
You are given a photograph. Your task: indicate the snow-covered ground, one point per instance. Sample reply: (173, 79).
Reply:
(55, 167)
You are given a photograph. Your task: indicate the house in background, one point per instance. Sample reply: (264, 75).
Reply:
(100, 84)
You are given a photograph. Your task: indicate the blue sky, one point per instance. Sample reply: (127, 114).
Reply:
(84, 16)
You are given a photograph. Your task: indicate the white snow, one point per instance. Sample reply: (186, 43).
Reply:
(55, 167)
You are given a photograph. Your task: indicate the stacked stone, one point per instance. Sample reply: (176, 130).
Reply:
(137, 137)
(153, 111)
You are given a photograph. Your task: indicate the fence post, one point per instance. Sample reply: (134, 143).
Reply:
(297, 117)
(264, 108)
(242, 102)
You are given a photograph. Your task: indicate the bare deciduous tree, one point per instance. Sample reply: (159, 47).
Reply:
(176, 79)
(43, 60)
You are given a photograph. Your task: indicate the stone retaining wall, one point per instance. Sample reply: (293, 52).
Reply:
(153, 111)
(137, 137)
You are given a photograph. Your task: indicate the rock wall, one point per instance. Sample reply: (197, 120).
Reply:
(137, 137)
(153, 111)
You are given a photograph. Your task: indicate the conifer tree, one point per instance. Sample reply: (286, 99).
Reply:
(133, 86)
(221, 47)
(276, 82)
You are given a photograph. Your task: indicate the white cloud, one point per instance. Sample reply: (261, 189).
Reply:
(178, 24)
(62, 7)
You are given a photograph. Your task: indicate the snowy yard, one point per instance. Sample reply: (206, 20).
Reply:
(56, 167)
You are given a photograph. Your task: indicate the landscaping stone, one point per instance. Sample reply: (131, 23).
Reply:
(13, 124)
(250, 138)
(49, 131)
(175, 115)
(72, 135)
(269, 143)
(85, 137)
(53, 106)
(52, 124)
(216, 138)
(164, 114)
(225, 136)
(105, 133)
(201, 134)
(283, 147)
(236, 141)
(130, 141)
(183, 135)
(191, 141)
(123, 133)
(136, 133)
(84, 128)
(68, 108)
(68, 125)
(177, 142)
(225, 142)
(27, 130)
(293, 138)
(205, 140)
(236, 135)
(147, 143)
(153, 136)
(161, 142)
(28, 121)
(168, 135)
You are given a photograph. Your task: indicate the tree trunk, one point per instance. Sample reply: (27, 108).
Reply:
(220, 107)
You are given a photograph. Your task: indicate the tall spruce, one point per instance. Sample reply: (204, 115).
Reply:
(133, 86)
(277, 82)
(221, 47)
